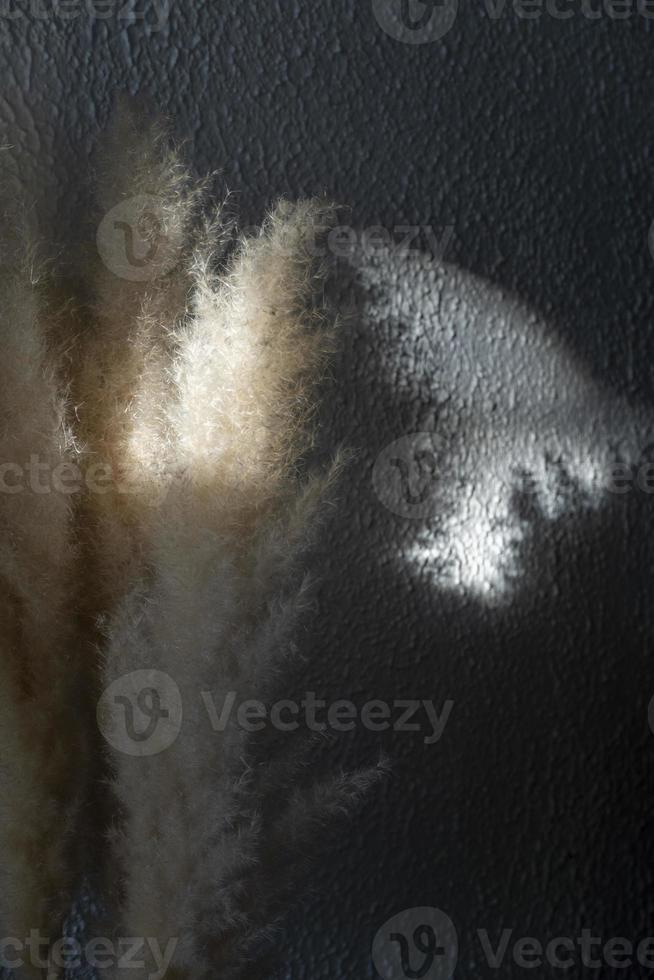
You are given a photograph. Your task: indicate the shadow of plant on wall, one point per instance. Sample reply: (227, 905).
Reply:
(510, 426)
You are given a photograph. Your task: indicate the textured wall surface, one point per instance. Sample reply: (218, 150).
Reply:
(528, 354)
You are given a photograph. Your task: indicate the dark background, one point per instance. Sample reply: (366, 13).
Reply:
(533, 139)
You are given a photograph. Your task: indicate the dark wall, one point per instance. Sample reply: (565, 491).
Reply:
(532, 139)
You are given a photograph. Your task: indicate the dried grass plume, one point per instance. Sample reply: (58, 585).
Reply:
(191, 372)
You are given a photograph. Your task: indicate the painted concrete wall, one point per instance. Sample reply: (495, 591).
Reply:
(497, 569)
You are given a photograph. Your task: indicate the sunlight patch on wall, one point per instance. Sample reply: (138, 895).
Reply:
(508, 431)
